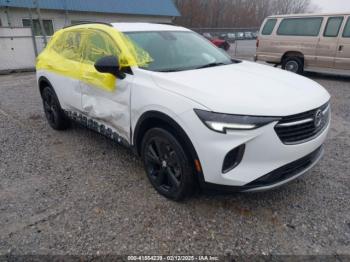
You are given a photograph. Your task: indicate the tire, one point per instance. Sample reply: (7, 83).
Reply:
(53, 111)
(167, 165)
(293, 64)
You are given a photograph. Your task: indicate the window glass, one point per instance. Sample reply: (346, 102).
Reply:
(333, 26)
(36, 26)
(99, 45)
(177, 50)
(269, 26)
(346, 32)
(309, 26)
(69, 45)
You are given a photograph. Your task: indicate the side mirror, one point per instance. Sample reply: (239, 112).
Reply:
(110, 65)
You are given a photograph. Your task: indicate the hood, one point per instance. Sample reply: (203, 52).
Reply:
(246, 88)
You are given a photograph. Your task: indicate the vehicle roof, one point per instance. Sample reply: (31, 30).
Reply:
(307, 15)
(137, 27)
(128, 27)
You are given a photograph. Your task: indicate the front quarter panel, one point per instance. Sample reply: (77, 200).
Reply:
(147, 96)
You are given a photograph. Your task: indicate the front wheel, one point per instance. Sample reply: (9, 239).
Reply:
(293, 64)
(167, 165)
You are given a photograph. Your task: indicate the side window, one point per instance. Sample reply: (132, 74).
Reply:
(98, 45)
(48, 26)
(69, 45)
(333, 26)
(346, 32)
(309, 26)
(269, 26)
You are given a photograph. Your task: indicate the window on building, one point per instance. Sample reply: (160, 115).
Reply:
(48, 26)
(309, 26)
(333, 26)
(269, 26)
(0, 22)
(346, 32)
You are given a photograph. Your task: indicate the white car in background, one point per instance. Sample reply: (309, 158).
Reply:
(192, 113)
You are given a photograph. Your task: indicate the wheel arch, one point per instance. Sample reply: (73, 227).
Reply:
(44, 82)
(152, 119)
(292, 54)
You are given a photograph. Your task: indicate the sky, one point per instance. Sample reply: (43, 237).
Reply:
(333, 5)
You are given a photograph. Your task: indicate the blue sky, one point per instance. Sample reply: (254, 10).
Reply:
(333, 5)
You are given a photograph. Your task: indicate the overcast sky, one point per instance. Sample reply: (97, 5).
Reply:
(333, 5)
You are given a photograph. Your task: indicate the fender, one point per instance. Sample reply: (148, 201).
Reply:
(152, 119)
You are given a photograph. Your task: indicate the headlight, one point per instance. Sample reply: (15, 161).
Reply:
(223, 122)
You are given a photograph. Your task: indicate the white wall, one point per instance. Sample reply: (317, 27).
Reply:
(16, 49)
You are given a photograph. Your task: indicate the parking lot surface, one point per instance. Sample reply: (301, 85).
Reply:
(75, 192)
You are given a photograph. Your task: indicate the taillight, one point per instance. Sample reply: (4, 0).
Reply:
(257, 43)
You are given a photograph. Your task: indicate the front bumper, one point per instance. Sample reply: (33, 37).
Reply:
(264, 154)
(276, 178)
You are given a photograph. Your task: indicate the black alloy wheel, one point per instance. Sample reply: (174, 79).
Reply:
(53, 112)
(166, 164)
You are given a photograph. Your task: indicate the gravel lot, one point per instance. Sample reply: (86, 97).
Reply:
(75, 192)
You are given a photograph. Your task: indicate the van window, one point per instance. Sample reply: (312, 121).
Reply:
(333, 26)
(309, 26)
(346, 32)
(269, 26)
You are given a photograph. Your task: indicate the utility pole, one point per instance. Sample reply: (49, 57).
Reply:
(42, 29)
(32, 30)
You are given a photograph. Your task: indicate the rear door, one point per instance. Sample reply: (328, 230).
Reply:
(63, 68)
(105, 99)
(342, 60)
(328, 42)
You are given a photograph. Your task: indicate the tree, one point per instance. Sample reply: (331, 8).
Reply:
(235, 13)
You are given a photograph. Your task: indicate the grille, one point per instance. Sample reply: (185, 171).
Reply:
(287, 171)
(303, 127)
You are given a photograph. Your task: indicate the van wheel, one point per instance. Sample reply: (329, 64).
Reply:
(293, 64)
(53, 111)
(167, 166)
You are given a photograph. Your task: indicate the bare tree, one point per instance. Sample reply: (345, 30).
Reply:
(236, 13)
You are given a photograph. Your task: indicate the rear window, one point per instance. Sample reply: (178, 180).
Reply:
(300, 26)
(269, 26)
(346, 32)
(333, 26)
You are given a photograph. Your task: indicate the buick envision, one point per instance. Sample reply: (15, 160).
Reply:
(193, 114)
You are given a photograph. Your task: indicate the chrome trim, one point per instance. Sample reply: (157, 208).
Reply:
(296, 122)
(326, 125)
(326, 110)
(265, 188)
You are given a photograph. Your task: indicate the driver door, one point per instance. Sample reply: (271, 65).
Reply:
(105, 99)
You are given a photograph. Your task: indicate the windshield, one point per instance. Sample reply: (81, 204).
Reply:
(178, 50)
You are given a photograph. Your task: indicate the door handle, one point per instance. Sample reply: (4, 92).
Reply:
(341, 47)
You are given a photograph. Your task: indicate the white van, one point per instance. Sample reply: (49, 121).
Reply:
(309, 41)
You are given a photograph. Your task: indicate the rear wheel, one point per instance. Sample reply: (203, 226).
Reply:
(53, 111)
(167, 165)
(293, 64)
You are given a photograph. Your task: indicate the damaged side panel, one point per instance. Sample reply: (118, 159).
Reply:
(110, 108)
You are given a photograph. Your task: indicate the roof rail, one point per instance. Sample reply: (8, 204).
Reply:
(87, 23)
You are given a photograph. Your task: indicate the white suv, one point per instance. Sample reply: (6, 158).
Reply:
(194, 115)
